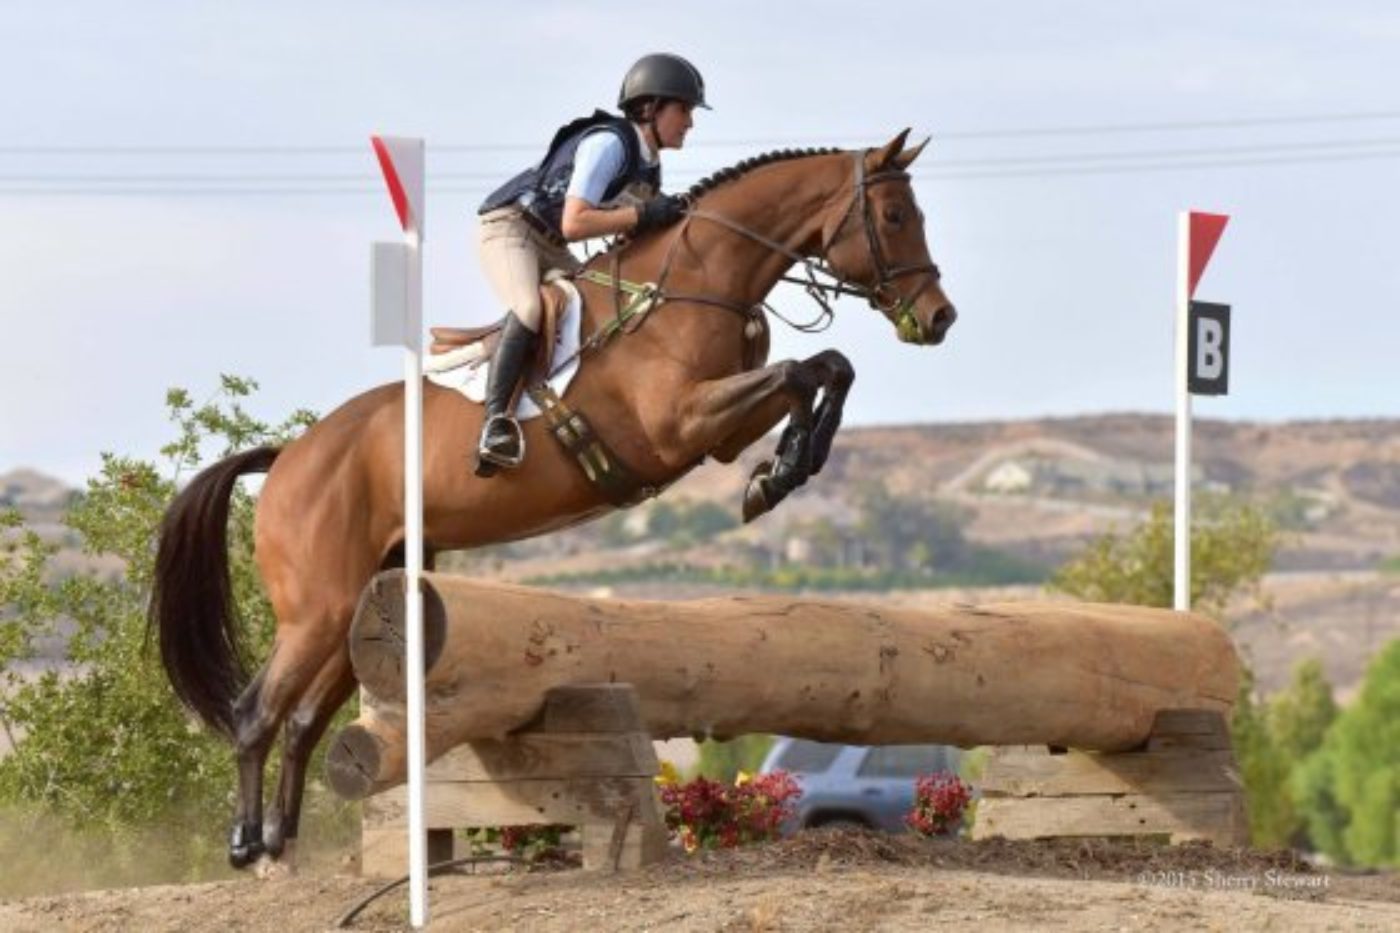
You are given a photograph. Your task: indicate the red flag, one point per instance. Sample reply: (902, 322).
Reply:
(1205, 233)
(401, 160)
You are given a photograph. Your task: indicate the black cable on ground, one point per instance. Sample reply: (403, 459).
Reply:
(437, 869)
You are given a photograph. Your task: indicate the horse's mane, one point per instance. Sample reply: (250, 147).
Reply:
(710, 182)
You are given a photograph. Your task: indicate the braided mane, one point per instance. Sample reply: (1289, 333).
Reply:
(710, 182)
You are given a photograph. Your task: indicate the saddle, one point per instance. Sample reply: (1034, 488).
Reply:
(485, 338)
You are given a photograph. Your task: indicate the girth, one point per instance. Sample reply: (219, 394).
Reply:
(618, 484)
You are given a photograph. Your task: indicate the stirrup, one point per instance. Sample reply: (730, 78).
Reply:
(490, 454)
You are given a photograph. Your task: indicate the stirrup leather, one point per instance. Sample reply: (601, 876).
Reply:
(491, 454)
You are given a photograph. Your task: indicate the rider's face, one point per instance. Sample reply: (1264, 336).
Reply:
(673, 122)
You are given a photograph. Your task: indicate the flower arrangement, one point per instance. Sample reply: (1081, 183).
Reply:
(706, 814)
(939, 802)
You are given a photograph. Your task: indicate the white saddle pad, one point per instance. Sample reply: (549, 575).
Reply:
(466, 369)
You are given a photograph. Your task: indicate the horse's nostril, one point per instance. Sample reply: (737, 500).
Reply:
(945, 316)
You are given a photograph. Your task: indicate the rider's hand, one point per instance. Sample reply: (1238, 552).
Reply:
(658, 213)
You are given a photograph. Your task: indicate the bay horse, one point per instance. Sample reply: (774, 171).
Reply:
(686, 382)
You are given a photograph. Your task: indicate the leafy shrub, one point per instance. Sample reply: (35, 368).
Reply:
(106, 746)
(1232, 547)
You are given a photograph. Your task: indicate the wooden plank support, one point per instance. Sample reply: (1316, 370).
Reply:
(584, 762)
(1183, 783)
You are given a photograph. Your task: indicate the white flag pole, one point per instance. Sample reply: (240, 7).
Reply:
(402, 161)
(413, 575)
(1182, 593)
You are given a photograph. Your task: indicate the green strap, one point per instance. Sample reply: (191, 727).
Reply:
(644, 296)
(607, 281)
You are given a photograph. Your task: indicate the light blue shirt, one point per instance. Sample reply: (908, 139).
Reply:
(599, 159)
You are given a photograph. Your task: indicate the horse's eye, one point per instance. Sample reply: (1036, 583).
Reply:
(894, 214)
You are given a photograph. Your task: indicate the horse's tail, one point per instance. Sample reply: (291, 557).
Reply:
(191, 597)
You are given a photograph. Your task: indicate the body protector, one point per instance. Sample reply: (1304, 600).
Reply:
(539, 190)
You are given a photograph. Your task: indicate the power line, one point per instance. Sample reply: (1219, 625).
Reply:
(1174, 126)
(992, 133)
(1322, 147)
(1162, 166)
(1044, 166)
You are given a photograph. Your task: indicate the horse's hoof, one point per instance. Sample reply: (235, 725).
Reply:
(273, 844)
(756, 493)
(761, 496)
(243, 856)
(245, 846)
(754, 502)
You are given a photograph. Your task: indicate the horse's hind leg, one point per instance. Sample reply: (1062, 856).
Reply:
(258, 713)
(305, 726)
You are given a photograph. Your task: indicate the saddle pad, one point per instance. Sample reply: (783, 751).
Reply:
(465, 369)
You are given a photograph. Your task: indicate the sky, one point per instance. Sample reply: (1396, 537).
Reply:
(187, 189)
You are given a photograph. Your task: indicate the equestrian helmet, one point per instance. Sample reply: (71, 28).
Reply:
(663, 75)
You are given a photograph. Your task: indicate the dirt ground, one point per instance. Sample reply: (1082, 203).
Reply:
(821, 880)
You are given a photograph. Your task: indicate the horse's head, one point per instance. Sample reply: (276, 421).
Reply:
(877, 242)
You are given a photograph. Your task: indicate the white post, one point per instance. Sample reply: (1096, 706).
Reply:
(1182, 593)
(413, 575)
(398, 318)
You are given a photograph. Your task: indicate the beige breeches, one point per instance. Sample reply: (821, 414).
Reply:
(516, 258)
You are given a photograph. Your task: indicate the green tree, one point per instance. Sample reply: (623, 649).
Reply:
(1232, 547)
(1300, 717)
(1266, 765)
(704, 520)
(1272, 739)
(663, 520)
(911, 534)
(1349, 789)
(106, 744)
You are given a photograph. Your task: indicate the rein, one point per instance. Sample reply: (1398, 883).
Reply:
(898, 309)
(633, 301)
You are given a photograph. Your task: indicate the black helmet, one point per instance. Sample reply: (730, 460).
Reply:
(663, 75)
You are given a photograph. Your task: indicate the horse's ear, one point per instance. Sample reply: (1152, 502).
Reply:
(881, 158)
(907, 157)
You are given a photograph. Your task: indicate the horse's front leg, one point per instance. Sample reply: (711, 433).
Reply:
(723, 416)
(837, 375)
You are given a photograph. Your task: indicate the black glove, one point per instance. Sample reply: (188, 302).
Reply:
(658, 213)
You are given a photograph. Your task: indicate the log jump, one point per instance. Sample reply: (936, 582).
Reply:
(1084, 676)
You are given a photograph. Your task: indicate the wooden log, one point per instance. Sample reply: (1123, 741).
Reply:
(1049, 673)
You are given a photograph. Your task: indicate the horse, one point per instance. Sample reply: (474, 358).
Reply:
(685, 381)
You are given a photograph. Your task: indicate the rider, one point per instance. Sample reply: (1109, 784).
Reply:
(601, 175)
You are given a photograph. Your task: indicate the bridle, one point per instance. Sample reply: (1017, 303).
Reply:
(881, 294)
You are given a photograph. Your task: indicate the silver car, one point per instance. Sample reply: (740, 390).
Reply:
(871, 786)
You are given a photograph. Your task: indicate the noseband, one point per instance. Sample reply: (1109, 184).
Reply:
(881, 295)
(898, 309)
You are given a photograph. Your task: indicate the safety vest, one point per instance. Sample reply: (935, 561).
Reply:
(540, 189)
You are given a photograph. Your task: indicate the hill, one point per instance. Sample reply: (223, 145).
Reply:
(1001, 502)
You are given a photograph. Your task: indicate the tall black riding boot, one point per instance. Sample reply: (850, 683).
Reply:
(502, 443)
